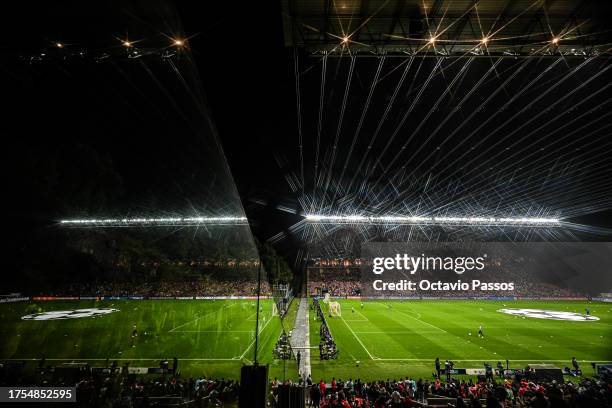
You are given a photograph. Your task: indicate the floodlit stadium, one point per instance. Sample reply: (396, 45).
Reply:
(335, 203)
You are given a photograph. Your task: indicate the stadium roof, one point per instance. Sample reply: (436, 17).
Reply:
(523, 27)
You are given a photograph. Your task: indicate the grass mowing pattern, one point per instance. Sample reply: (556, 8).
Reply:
(405, 339)
(213, 338)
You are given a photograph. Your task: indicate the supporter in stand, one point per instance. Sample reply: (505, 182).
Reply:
(517, 392)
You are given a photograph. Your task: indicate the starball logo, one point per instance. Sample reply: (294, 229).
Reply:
(412, 264)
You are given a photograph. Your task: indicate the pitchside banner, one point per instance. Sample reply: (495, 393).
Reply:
(486, 269)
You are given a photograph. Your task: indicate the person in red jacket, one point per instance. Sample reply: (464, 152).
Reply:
(322, 387)
(342, 400)
(334, 384)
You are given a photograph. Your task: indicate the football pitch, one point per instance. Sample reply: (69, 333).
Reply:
(382, 339)
(209, 337)
(392, 339)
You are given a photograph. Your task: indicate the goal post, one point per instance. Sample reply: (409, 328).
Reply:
(335, 309)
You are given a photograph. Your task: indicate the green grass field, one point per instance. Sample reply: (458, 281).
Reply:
(214, 338)
(406, 339)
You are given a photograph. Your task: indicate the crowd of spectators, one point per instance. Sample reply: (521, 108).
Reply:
(505, 393)
(336, 288)
(209, 287)
(116, 389)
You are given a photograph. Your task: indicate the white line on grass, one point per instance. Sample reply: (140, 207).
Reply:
(447, 332)
(359, 340)
(362, 315)
(532, 361)
(253, 342)
(203, 316)
(213, 331)
(419, 315)
(250, 318)
(394, 332)
(118, 359)
(424, 322)
(365, 319)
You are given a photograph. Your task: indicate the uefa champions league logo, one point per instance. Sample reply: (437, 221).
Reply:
(549, 314)
(69, 314)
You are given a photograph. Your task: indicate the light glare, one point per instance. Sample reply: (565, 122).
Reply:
(429, 220)
(134, 222)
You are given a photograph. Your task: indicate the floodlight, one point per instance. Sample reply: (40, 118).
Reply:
(467, 220)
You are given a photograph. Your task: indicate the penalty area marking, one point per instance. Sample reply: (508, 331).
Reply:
(359, 340)
(253, 342)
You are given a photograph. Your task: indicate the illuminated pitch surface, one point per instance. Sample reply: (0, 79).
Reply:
(212, 338)
(406, 339)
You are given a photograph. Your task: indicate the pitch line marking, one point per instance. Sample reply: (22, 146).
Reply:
(424, 322)
(419, 315)
(365, 319)
(362, 315)
(393, 332)
(213, 331)
(359, 340)
(447, 332)
(253, 342)
(118, 359)
(203, 316)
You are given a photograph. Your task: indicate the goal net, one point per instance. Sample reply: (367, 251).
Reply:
(335, 309)
(274, 309)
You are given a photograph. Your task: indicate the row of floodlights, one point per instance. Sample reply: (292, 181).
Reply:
(176, 42)
(345, 40)
(154, 221)
(418, 220)
(319, 218)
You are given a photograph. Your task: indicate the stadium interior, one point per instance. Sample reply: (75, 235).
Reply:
(300, 203)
